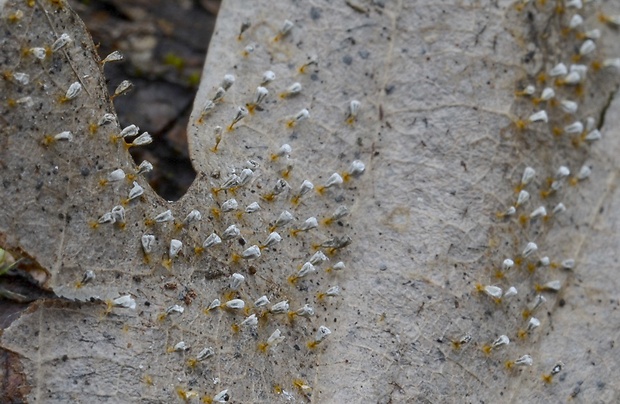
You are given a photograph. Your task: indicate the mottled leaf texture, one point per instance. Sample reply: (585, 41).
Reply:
(446, 127)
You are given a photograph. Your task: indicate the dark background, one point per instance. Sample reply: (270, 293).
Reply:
(164, 43)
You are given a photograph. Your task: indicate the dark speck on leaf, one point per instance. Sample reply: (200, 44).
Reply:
(85, 171)
(363, 54)
(315, 13)
(389, 89)
(347, 59)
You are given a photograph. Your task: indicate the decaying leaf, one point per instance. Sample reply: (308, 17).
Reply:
(433, 100)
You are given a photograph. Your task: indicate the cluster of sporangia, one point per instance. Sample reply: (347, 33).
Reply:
(553, 94)
(235, 203)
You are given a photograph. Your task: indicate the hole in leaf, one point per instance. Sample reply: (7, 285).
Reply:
(164, 45)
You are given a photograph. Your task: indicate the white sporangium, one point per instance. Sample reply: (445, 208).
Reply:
(512, 291)
(334, 180)
(147, 241)
(246, 176)
(236, 280)
(222, 397)
(235, 304)
(273, 239)
(62, 41)
(242, 112)
(227, 81)
(145, 167)
(308, 224)
(175, 248)
(540, 116)
(230, 205)
(587, 47)
(493, 291)
(39, 53)
(261, 94)
(87, 277)
(73, 91)
(106, 218)
(584, 173)
(292, 90)
(339, 266)
(559, 208)
(501, 340)
(113, 57)
(181, 347)
(142, 140)
(533, 324)
(539, 300)
(136, 191)
(193, 216)
(333, 291)
(214, 304)
(205, 353)
(612, 62)
(65, 135)
(525, 360)
(306, 269)
(219, 94)
(287, 26)
(356, 168)
(544, 261)
(123, 88)
(251, 252)
(106, 119)
(574, 128)
(529, 249)
(540, 211)
(572, 78)
(593, 135)
(116, 175)
(212, 240)
(285, 218)
(322, 333)
(553, 286)
(118, 213)
(125, 301)
(568, 263)
(175, 309)
(231, 232)
(528, 175)
(305, 311)
(570, 107)
(280, 307)
(306, 186)
(275, 338)
(250, 321)
(21, 78)
(522, 198)
(261, 301)
(575, 21)
(318, 258)
(558, 70)
(165, 216)
(284, 151)
(353, 110)
(268, 77)
(302, 115)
